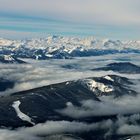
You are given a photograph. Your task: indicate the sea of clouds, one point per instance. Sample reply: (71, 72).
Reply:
(40, 73)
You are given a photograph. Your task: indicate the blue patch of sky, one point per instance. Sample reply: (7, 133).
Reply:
(24, 23)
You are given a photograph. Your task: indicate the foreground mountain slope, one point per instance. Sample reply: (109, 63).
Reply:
(40, 104)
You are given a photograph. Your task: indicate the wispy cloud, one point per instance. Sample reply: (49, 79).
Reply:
(108, 18)
(93, 10)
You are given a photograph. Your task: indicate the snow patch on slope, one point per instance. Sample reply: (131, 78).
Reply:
(108, 78)
(20, 114)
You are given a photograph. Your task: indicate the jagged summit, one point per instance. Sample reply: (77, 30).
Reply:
(8, 59)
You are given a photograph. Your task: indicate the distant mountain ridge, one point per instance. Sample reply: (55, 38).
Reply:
(58, 47)
(122, 67)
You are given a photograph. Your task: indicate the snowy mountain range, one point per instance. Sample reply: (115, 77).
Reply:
(65, 47)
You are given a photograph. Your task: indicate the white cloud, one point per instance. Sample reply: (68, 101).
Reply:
(52, 128)
(108, 106)
(6, 134)
(129, 129)
(119, 126)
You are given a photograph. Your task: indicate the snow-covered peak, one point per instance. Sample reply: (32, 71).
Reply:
(90, 42)
(94, 85)
(8, 58)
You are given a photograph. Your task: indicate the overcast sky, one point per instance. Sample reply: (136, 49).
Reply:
(119, 19)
